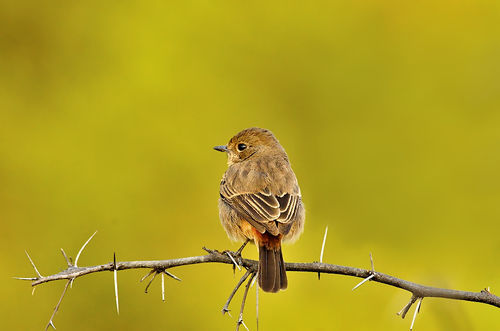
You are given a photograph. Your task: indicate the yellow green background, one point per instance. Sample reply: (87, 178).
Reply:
(389, 111)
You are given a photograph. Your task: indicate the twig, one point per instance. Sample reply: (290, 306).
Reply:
(240, 319)
(147, 286)
(405, 309)
(68, 262)
(225, 309)
(51, 321)
(238, 252)
(147, 275)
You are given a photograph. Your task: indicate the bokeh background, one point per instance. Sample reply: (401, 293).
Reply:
(389, 111)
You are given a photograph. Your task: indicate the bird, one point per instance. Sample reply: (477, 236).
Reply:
(260, 201)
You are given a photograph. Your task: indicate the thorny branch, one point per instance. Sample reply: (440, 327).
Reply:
(418, 291)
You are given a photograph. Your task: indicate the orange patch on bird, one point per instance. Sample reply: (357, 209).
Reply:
(247, 229)
(267, 240)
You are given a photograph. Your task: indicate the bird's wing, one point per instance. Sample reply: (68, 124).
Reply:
(262, 209)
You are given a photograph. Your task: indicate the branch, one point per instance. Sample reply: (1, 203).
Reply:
(418, 291)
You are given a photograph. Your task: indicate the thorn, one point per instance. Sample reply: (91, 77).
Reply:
(323, 245)
(71, 283)
(417, 310)
(367, 278)
(81, 249)
(33, 291)
(234, 261)
(26, 278)
(163, 287)
(172, 275)
(371, 261)
(34, 266)
(66, 258)
(243, 323)
(52, 325)
(322, 250)
(257, 304)
(225, 310)
(253, 281)
(363, 281)
(115, 274)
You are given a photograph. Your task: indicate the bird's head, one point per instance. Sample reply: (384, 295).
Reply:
(251, 143)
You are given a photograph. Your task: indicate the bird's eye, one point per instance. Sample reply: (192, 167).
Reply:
(241, 147)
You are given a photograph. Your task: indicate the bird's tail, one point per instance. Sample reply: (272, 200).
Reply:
(272, 274)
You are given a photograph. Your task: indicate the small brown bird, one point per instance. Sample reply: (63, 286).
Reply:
(260, 200)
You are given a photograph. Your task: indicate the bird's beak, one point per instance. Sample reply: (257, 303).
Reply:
(221, 148)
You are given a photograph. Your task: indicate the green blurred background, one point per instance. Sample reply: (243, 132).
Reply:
(389, 111)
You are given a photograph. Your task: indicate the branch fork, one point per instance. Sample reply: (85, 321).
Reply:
(155, 272)
(70, 268)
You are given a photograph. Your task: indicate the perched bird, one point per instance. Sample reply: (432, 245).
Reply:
(260, 200)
